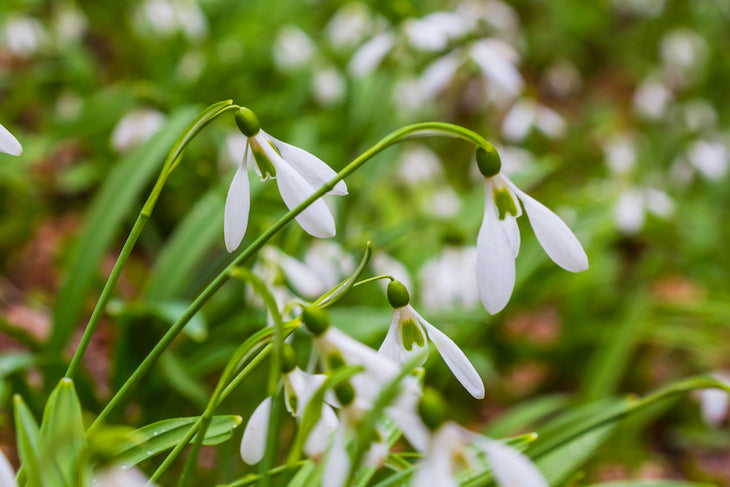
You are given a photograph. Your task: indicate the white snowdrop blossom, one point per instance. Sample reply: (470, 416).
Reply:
(70, 24)
(683, 52)
(619, 152)
(298, 175)
(408, 335)
(632, 204)
(710, 158)
(698, 115)
(293, 49)
(328, 86)
(167, 17)
(449, 451)
(8, 143)
(499, 15)
(447, 281)
(651, 99)
(434, 31)
(349, 25)
(299, 387)
(117, 476)
(136, 127)
(386, 264)
(562, 78)
(498, 242)
(7, 476)
(526, 114)
(23, 36)
(419, 164)
(714, 403)
(369, 56)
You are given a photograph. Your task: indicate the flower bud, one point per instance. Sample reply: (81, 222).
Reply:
(345, 393)
(247, 122)
(397, 294)
(488, 161)
(288, 359)
(315, 319)
(431, 409)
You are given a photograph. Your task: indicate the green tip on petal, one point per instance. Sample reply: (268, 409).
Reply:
(505, 203)
(247, 122)
(431, 409)
(397, 294)
(288, 359)
(345, 393)
(315, 319)
(488, 161)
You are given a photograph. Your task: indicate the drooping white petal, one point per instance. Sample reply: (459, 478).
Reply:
(117, 476)
(315, 171)
(355, 353)
(495, 259)
(510, 467)
(437, 75)
(8, 143)
(370, 54)
(435, 469)
(516, 125)
(253, 444)
(496, 59)
(553, 234)
(408, 421)
(338, 462)
(377, 454)
(714, 405)
(512, 230)
(393, 346)
(316, 219)
(456, 360)
(7, 476)
(301, 277)
(318, 438)
(238, 203)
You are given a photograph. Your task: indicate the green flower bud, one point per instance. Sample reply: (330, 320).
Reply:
(431, 409)
(397, 294)
(488, 161)
(288, 359)
(345, 393)
(247, 122)
(315, 319)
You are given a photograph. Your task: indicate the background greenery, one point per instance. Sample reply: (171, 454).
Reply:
(652, 308)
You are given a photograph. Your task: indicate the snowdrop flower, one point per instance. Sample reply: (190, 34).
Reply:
(386, 264)
(683, 53)
(349, 25)
(8, 143)
(498, 242)
(499, 15)
(633, 203)
(449, 450)
(298, 175)
(7, 476)
(408, 335)
(371, 54)
(120, 477)
(328, 86)
(526, 114)
(293, 48)
(136, 127)
(23, 36)
(419, 164)
(166, 17)
(434, 32)
(447, 281)
(714, 403)
(299, 387)
(709, 158)
(619, 152)
(562, 78)
(70, 24)
(651, 99)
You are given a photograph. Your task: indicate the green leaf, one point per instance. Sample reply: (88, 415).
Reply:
(112, 204)
(652, 483)
(12, 362)
(333, 295)
(180, 379)
(38, 471)
(157, 437)
(526, 414)
(62, 430)
(167, 311)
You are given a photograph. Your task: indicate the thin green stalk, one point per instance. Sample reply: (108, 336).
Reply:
(404, 133)
(253, 478)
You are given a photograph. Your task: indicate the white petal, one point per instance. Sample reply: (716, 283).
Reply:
(516, 125)
(714, 405)
(316, 219)
(496, 59)
(392, 346)
(301, 277)
(495, 259)
(238, 202)
(438, 74)
(553, 234)
(116, 476)
(315, 171)
(510, 467)
(316, 443)
(512, 230)
(370, 54)
(457, 361)
(253, 444)
(435, 470)
(412, 427)
(8, 143)
(7, 476)
(338, 462)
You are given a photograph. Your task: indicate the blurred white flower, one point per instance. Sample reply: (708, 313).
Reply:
(293, 48)
(136, 127)
(349, 25)
(527, 113)
(8, 143)
(167, 17)
(70, 23)
(562, 78)
(644, 8)
(619, 152)
(298, 175)
(419, 164)
(633, 203)
(683, 53)
(710, 158)
(191, 66)
(651, 99)
(447, 281)
(7, 475)
(444, 202)
(499, 15)
(714, 403)
(450, 449)
(385, 264)
(23, 36)
(120, 477)
(498, 241)
(434, 31)
(698, 115)
(408, 95)
(328, 86)
(369, 56)
(68, 105)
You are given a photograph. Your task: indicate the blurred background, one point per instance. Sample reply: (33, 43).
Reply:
(613, 113)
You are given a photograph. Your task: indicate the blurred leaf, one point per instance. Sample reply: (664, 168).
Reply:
(112, 204)
(182, 381)
(651, 483)
(526, 414)
(167, 311)
(157, 437)
(38, 470)
(12, 362)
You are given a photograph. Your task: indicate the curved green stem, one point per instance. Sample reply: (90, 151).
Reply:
(424, 129)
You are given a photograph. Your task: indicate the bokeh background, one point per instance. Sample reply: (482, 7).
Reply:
(614, 114)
